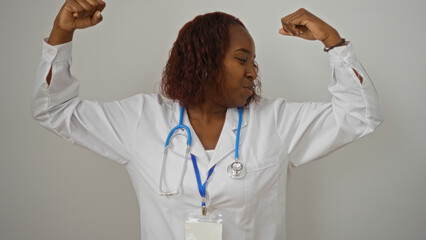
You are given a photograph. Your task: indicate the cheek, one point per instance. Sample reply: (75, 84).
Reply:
(235, 76)
(233, 81)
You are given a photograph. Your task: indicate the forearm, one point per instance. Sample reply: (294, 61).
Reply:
(334, 39)
(353, 91)
(58, 36)
(58, 60)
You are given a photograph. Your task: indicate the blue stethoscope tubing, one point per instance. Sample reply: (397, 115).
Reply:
(187, 152)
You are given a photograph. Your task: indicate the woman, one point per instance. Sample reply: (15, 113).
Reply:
(211, 76)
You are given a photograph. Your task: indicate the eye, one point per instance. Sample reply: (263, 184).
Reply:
(242, 60)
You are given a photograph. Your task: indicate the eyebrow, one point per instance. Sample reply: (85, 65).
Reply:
(244, 50)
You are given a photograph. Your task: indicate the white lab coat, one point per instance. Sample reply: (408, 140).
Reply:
(276, 135)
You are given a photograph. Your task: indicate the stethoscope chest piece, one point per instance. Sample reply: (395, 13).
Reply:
(236, 170)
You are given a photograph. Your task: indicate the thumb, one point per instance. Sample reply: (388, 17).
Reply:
(96, 18)
(284, 32)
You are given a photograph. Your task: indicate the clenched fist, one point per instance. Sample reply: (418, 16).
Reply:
(306, 25)
(75, 14)
(78, 14)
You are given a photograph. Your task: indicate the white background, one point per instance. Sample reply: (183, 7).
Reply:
(371, 189)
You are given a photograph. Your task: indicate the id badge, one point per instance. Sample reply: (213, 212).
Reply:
(199, 227)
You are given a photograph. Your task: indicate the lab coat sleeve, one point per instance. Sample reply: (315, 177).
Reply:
(105, 128)
(312, 130)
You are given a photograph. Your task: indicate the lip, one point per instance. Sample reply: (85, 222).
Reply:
(249, 90)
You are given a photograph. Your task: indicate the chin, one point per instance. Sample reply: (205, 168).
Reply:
(249, 100)
(243, 103)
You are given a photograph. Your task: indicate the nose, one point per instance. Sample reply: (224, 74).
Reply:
(251, 71)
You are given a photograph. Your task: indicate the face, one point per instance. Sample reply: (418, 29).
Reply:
(239, 68)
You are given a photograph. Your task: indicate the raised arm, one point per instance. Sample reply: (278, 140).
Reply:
(306, 25)
(312, 130)
(107, 128)
(74, 15)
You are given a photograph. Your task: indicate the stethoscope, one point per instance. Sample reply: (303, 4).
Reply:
(235, 170)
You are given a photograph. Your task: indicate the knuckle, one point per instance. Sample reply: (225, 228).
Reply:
(100, 6)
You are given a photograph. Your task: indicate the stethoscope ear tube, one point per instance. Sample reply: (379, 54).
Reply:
(180, 126)
(166, 149)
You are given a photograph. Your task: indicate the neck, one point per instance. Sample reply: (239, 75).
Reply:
(207, 113)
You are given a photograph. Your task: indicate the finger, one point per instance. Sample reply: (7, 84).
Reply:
(101, 5)
(295, 22)
(297, 29)
(294, 29)
(88, 21)
(89, 10)
(286, 18)
(300, 29)
(96, 18)
(299, 20)
(287, 26)
(75, 8)
(97, 5)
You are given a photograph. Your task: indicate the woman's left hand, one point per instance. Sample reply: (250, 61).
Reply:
(306, 25)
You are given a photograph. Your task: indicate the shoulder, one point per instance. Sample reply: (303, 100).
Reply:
(148, 100)
(145, 103)
(267, 104)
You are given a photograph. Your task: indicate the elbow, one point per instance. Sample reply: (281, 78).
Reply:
(355, 127)
(375, 118)
(41, 117)
(373, 123)
(376, 123)
(36, 113)
(380, 121)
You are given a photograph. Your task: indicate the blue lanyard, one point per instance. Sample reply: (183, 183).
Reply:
(202, 186)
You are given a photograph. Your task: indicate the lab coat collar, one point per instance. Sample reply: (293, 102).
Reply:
(226, 143)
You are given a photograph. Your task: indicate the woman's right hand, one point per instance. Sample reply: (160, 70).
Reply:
(75, 14)
(79, 14)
